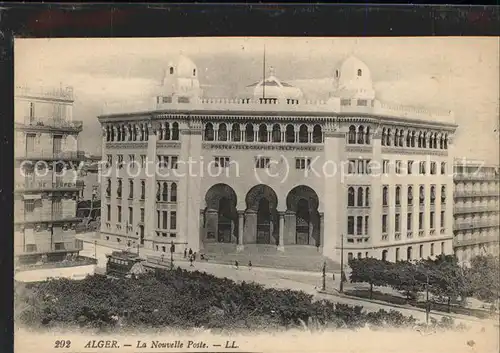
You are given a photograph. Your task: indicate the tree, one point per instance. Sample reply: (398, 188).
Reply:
(447, 278)
(369, 270)
(484, 276)
(405, 276)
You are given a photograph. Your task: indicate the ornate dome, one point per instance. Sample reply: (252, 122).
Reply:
(182, 66)
(353, 80)
(180, 77)
(272, 87)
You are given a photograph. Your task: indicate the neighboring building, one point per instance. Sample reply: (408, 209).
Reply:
(254, 186)
(88, 181)
(477, 209)
(47, 157)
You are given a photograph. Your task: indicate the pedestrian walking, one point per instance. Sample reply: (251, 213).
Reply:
(333, 276)
(185, 253)
(190, 252)
(194, 256)
(236, 264)
(191, 261)
(249, 265)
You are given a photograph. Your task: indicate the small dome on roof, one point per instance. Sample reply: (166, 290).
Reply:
(182, 66)
(353, 80)
(272, 87)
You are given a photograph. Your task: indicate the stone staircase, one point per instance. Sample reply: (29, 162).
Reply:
(295, 257)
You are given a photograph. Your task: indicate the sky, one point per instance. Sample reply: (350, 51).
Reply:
(455, 73)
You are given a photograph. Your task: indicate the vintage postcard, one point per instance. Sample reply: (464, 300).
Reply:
(257, 194)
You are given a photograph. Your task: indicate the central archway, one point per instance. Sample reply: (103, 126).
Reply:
(261, 214)
(221, 217)
(302, 203)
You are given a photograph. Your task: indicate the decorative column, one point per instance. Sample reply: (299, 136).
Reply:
(250, 228)
(150, 199)
(321, 229)
(335, 221)
(281, 243)
(105, 137)
(375, 226)
(241, 221)
(189, 173)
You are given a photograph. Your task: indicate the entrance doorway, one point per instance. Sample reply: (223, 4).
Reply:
(302, 223)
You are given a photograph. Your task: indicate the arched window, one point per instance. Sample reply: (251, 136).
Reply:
(164, 192)
(317, 134)
(158, 191)
(119, 188)
(209, 132)
(361, 135)
(303, 134)
(350, 196)
(367, 135)
(130, 189)
(384, 196)
(360, 197)
(422, 195)
(173, 192)
(367, 197)
(108, 188)
(389, 137)
(276, 133)
(401, 138)
(408, 139)
(413, 139)
(420, 138)
(424, 140)
(236, 132)
(384, 136)
(143, 189)
(165, 132)
(171, 70)
(112, 133)
(290, 133)
(175, 131)
(396, 138)
(222, 133)
(384, 255)
(433, 194)
(409, 253)
(194, 72)
(249, 133)
(410, 195)
(443, 194)
(359, 72)
(262, 133)
(398, 196)
(441, 142)
(445, 142)
(352, 134)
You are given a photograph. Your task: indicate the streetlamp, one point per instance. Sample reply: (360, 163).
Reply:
(324, 276)
(172, 249)
(341, 289)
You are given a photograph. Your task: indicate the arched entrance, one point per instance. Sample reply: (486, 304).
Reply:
(261, 215)
(221, 217)
(302, 203)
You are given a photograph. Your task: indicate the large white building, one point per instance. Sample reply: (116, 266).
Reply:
(271, 172)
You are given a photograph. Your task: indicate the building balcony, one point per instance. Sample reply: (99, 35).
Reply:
(47, 219)
(476, 176)
(409, 234)
(45, 186)
(476, 209)
(421, 233)
(432, 231)
(59, 93)
(477, 239)
(50, 124)
(486, 193)
(50, 155)
(477, 224)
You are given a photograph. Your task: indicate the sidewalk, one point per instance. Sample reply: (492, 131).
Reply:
(336, 293)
